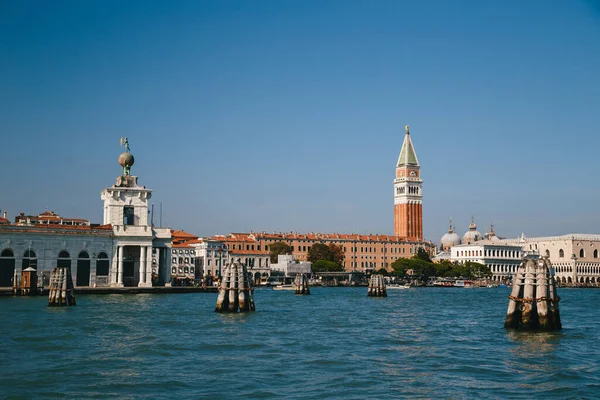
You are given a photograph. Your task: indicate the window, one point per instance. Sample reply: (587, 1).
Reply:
(128, 215)
(561, 253)
(595, 253)
(64, 260)
(581, 253)
(102, 265)
(547, 253)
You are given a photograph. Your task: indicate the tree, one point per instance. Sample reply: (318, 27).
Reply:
(326, 266)
(319, 251)
(477, 270)
(423, 269)
(278, 248)
(337, 253)
(382, 271)
(443, 268)
(421, 254)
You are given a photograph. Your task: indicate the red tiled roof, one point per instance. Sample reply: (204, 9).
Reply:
(181, 246)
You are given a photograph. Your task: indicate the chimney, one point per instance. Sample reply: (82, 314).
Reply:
(4, 214)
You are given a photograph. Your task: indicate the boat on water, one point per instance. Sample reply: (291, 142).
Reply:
(284, 287)
(393, 286)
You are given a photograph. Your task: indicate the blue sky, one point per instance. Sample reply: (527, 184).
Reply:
(289, 115)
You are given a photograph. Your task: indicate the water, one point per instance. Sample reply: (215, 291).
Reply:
(335, 343)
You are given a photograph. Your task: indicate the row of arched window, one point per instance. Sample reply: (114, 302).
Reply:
(561, 253)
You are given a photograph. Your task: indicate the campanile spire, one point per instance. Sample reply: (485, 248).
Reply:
(408, 195)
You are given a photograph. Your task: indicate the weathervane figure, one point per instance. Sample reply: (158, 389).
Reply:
(125, 141)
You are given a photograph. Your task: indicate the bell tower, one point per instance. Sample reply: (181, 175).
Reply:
(408, 193)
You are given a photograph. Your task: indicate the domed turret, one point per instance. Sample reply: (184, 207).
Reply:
(473, 234)
(492, 235)
(449, 239)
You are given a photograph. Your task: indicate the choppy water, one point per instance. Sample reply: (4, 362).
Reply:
(335, 343)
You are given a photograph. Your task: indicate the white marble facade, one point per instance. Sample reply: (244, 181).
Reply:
(125, 251)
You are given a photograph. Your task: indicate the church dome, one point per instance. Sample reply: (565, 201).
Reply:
(472, 234)
(450, 239)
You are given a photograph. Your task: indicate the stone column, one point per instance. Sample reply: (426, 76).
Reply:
(148, 280)
(113, 267)
(142, 266)
(120, 268)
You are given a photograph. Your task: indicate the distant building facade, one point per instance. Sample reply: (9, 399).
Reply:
(290, 267)
(574, 257)
(501, 258)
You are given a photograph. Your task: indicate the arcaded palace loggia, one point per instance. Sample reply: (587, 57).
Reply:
(126, 250)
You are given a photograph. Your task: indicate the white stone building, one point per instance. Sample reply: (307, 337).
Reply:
(125, 251)
(183, 262)
(290, 266)
(575, 257)
(501, 258)
(211, 256)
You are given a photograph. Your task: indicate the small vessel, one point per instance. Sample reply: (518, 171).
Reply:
(395, 286)
(284, 287)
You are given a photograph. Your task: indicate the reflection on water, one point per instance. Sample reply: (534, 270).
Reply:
(534, 343)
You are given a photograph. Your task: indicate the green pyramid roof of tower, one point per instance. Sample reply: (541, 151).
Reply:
(407, 154)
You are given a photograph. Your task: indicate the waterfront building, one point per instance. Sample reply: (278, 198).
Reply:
(575, 257)
(362, 253)
(502, 259)
(126, 250)
(183, 257)
(211, 256)
(290, 267)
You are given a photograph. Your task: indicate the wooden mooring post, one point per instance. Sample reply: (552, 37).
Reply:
(301, 284)
(377, 286)
(235, 290)
(61, 292)
(533, 303)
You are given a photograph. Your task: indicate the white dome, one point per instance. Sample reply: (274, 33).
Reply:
(450, 239)
(472, 234)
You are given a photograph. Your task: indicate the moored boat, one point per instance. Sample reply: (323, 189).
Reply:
(284, 287)
(394, 286)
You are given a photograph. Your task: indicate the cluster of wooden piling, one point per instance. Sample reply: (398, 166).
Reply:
(235, 290)
(377, 286)
(301, 285)
(534, 301)
(62, 293)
